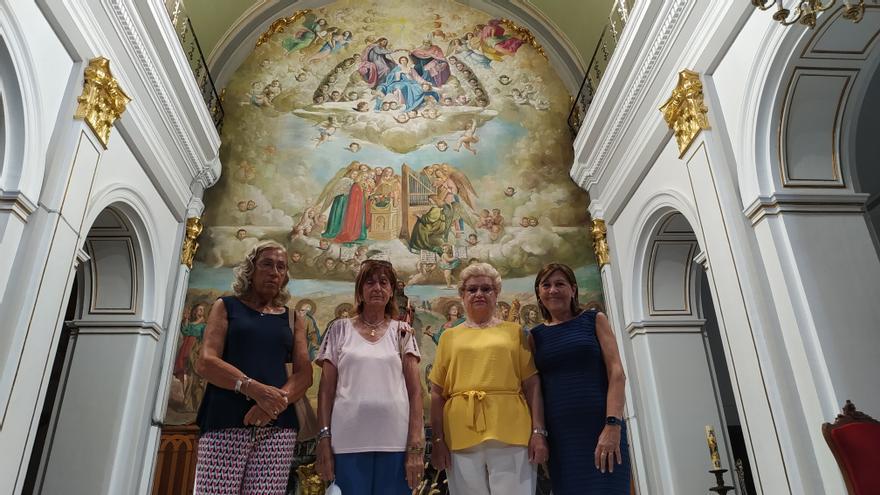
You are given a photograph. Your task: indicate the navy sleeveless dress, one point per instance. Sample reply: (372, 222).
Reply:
(575, 386)
(258, 345)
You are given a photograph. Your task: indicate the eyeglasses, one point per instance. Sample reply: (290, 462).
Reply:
(473, 289)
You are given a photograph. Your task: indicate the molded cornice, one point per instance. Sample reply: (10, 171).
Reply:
(167, 124)
(616, 109)
(853, 203)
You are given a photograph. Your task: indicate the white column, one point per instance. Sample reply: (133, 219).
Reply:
(824, 274)
(613, 308)
(169, 345)
(675, 383)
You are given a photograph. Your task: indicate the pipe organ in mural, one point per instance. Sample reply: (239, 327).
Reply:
(430, 135)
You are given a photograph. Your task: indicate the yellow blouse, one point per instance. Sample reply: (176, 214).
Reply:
(481, 371)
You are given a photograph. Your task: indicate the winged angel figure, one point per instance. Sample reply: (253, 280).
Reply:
(452, 206)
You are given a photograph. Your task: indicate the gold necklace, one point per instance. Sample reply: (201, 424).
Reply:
(372, 326)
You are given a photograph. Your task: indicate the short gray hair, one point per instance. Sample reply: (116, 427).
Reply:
(480, 270)
(244, 272)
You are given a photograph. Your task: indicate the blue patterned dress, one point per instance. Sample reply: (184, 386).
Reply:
(575, 386)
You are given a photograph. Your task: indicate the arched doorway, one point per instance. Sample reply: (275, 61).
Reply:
(84, 437)
(866, 174)
(681, 364)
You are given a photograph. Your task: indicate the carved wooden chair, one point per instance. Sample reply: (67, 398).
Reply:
(854, 439)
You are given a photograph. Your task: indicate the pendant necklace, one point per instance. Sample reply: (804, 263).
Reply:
(372, 326)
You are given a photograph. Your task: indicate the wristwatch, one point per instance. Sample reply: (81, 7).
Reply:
(613, 420)
(539, 431)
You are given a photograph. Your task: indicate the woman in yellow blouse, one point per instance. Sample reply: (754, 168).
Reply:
(487, 416)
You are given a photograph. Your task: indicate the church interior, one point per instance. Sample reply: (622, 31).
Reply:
(708, 169)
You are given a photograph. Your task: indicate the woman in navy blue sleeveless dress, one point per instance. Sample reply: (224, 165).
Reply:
(582, 381)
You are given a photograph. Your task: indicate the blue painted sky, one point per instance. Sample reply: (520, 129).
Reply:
(497, 136)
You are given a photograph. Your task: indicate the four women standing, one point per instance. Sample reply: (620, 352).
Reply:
(487, 406)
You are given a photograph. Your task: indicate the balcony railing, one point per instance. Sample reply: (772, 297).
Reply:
(196, 58)
(598, 63)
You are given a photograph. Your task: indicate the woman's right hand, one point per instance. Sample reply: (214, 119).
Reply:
(270, 399)
(324, 462)
(440, 455)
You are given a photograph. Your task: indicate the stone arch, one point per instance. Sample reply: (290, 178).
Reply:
(800, 130)
(136, 226)
(654, 214)
(99, 407)
(21, 135)
(675, 342)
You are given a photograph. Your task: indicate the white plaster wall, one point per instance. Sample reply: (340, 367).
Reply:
(159, 157)
(837, 272)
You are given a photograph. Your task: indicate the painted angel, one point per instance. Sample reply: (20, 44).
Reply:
(453, 187)
(468, 137)
(313, 28)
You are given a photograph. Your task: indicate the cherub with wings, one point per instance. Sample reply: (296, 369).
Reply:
(468, 137)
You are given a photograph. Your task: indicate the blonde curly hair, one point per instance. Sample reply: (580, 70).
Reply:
(243, 273)
(479, 270)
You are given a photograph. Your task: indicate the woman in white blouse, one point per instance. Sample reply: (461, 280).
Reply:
(371, 440)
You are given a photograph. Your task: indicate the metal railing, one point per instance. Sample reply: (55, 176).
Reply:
(196, 58)
(598, 63)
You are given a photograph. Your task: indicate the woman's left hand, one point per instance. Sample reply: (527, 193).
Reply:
(608, 449)
(257, 417)
(538, 450)
(415, 469)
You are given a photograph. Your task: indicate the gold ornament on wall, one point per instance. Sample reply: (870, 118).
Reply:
(309, 480)
(188, 252)
(600, 243)
(102, 100)
(524, 34)
(278, 25)
(685, 111)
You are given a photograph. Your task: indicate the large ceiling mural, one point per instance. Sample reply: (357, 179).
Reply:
(431, 135)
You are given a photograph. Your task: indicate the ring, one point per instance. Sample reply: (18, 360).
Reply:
(275, 412)
(603, 453)
(257, 422)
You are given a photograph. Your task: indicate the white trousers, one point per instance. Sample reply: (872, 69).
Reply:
(492, 468)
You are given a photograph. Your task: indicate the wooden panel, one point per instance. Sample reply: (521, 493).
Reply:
(176, 461)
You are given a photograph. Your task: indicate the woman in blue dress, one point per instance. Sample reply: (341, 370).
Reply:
(411, 90)
(582, 379)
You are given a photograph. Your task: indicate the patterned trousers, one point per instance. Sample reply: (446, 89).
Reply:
(244, 461)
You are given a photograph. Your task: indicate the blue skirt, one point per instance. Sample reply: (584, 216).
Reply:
(372, 473)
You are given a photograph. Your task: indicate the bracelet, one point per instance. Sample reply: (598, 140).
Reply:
(239, 382)
(324, 433)
(415, 449)
(539, 431)
(247, 383)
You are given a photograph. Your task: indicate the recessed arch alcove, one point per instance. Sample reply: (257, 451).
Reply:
(678, 354)
(90, 415)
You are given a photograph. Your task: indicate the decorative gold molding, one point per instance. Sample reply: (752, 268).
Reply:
(684, 111)
(188, 251)
(600, 242)
(278, 25)
(102, 100)
(309, 480)
(525, 34)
